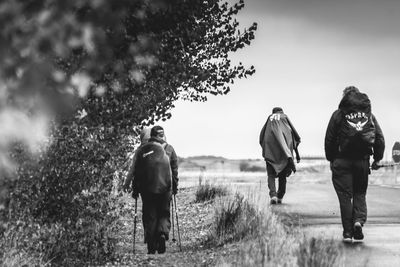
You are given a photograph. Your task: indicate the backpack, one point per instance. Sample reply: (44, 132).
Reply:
(357, 130)
(153, 168)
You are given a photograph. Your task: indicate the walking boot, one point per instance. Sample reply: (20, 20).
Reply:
(150, 249)
(161, 244)
(347, 238)
(358, 233)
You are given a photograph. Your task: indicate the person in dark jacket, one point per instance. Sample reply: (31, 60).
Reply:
(155, 177)
(351, 167)
(278, 139)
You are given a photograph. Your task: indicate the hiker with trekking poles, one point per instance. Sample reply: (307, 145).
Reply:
(154, 176)
(352, 136)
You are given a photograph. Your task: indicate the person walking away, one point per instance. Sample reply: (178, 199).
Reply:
(352, 136)
(155, 177)
(278, 139)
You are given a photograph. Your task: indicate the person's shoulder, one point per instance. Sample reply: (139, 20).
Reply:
(149, 146)
(169, 147)
(337, 115)
(337, 112)
(374, 118)
(284, 115)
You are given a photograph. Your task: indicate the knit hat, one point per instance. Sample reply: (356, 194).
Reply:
(277, 109)
(350, 89)
(156, 130)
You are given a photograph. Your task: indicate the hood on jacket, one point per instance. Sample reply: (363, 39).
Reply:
(145, 135)
(355, 99)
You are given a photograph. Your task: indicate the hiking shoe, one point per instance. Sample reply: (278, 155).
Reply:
(151, 248)
(347, 238)
(161, 244)
(279, 200)
(274, 200)
(358, 234)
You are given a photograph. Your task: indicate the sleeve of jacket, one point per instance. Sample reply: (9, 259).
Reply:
(331, 137)
(136, 172)
(296, 136)
(174, 167)
(261, 139)
(129, 178)
(379, 145)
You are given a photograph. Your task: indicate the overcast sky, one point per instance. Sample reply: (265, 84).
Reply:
(305, 53)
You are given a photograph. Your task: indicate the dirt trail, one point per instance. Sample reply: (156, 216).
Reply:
(194, 223)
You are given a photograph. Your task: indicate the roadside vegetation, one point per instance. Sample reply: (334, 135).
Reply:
(207, 191)
(262, 239)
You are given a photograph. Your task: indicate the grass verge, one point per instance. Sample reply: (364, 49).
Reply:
(264, 240)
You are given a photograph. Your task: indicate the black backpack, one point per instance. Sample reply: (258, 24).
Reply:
(357, 130)
(153, 169)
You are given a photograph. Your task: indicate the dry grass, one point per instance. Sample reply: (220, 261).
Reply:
(234, 220)
(17, 258)
(207, 192)
(265, 240)
(313, 252)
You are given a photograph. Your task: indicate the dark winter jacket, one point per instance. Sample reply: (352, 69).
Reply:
(278, 138)
(332, 150)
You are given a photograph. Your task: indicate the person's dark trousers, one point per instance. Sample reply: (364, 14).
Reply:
(156, 218)
(271, 182)
(350, 180)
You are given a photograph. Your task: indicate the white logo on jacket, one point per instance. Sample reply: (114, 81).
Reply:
(275, 117)
(148, 153)
(359, 126)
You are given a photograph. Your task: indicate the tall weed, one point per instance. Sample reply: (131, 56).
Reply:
(235, 219)
(313, 252)
(207, 192)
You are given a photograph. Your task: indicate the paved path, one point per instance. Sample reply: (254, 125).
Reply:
(316, 207)
(311, 202)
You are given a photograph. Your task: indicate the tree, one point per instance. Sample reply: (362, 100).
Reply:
(100, 71)
(57, 55)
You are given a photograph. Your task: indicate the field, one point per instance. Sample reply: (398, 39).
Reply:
(219, 170)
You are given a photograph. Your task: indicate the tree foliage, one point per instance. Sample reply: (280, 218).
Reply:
(101, 70)
(151, 51)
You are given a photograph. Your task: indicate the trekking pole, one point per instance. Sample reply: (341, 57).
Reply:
(134, 226)
(172, 215)
(177, 225)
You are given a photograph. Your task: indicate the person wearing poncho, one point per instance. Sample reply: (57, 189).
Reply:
(278, 139)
